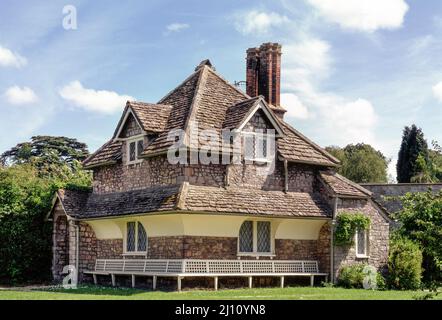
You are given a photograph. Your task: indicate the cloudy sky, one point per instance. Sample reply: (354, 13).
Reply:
(353, 70)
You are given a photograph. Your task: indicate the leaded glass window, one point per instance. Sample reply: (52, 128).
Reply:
(142, 238)
(255, 237)
(140, 147)
(362, 242)
(263, 236)
(136, 237)
(132, 151)
(246, 237)
(130, 240)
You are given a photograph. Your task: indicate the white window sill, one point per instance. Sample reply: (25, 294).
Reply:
(362, 256)
(257, 255)
(134, 254)
(133, 162)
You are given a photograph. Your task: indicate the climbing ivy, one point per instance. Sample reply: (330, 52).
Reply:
(347, 224)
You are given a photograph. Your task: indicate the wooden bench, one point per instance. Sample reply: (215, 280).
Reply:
(205, 268)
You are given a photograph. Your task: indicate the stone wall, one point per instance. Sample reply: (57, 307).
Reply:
(378, 237)
(301, 178)
(380, 191)
(60, 245)
(154, 172)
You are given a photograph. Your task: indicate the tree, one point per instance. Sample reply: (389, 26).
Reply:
(421, 221)
(361, 163)
(413, 160)
(46, 151)
(436, 161)
(29, 176)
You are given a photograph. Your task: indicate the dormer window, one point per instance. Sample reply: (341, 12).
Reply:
(256, 147)
(134, 149)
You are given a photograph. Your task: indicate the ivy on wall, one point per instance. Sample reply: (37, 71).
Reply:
(347, 224)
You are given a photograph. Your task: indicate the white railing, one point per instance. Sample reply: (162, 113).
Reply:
(190, 266)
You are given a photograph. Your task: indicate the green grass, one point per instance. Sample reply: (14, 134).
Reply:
(292, 293)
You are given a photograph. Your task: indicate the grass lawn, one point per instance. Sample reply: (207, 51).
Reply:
(293, 293)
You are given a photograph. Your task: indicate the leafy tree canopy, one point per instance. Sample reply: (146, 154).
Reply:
(46, 151)
(361, 163)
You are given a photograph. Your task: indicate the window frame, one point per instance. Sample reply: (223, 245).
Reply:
(257, 136)
(255, 251)
(366, 254)
(126, 229)
(129, 141)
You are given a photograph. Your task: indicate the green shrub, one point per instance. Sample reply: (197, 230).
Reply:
(404, 264)
(352, 276)
(347, 224)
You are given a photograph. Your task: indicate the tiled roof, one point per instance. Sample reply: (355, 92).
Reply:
(254, 202)
(73, 201)
(92, 205)
(191, 198)
(109, 153)
(297, 148)
(341, 186)
(152, 117)
(208, 99)
(235, 114)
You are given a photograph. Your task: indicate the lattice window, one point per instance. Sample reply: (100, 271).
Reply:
(140, 147)
(136, 237)
(130, 240)
(246, 237)
(362, 243)
(134, 150)
(142, 238)
(256, 146)
(263, 236)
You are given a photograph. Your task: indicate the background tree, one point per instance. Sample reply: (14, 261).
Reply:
(29, 177)
(413, 160)
(46, 151)
(421, 221)
(436, 161)
(361, 163)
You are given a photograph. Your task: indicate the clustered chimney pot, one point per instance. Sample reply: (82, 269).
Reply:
(264, 72)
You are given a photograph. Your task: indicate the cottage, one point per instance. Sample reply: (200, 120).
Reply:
(263, 209)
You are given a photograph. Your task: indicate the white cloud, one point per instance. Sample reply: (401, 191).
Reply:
(256, 22)
(101, 101)
(177, 27)
(294, 106)
(339, 120)
(363, 15)
(311, 55)
(437, 91)
(18, 96)
(10, 59)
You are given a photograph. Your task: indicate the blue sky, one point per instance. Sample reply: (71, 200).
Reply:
(353, 71)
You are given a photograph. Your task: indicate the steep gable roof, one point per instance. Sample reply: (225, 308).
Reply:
(343, 187)
(239, 114)
(209, 100)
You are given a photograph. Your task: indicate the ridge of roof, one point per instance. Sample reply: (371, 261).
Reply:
(194, 105)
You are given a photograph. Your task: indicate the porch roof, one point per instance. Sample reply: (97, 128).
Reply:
(191, 198)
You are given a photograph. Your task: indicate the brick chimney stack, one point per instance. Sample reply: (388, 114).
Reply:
(264, 72)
